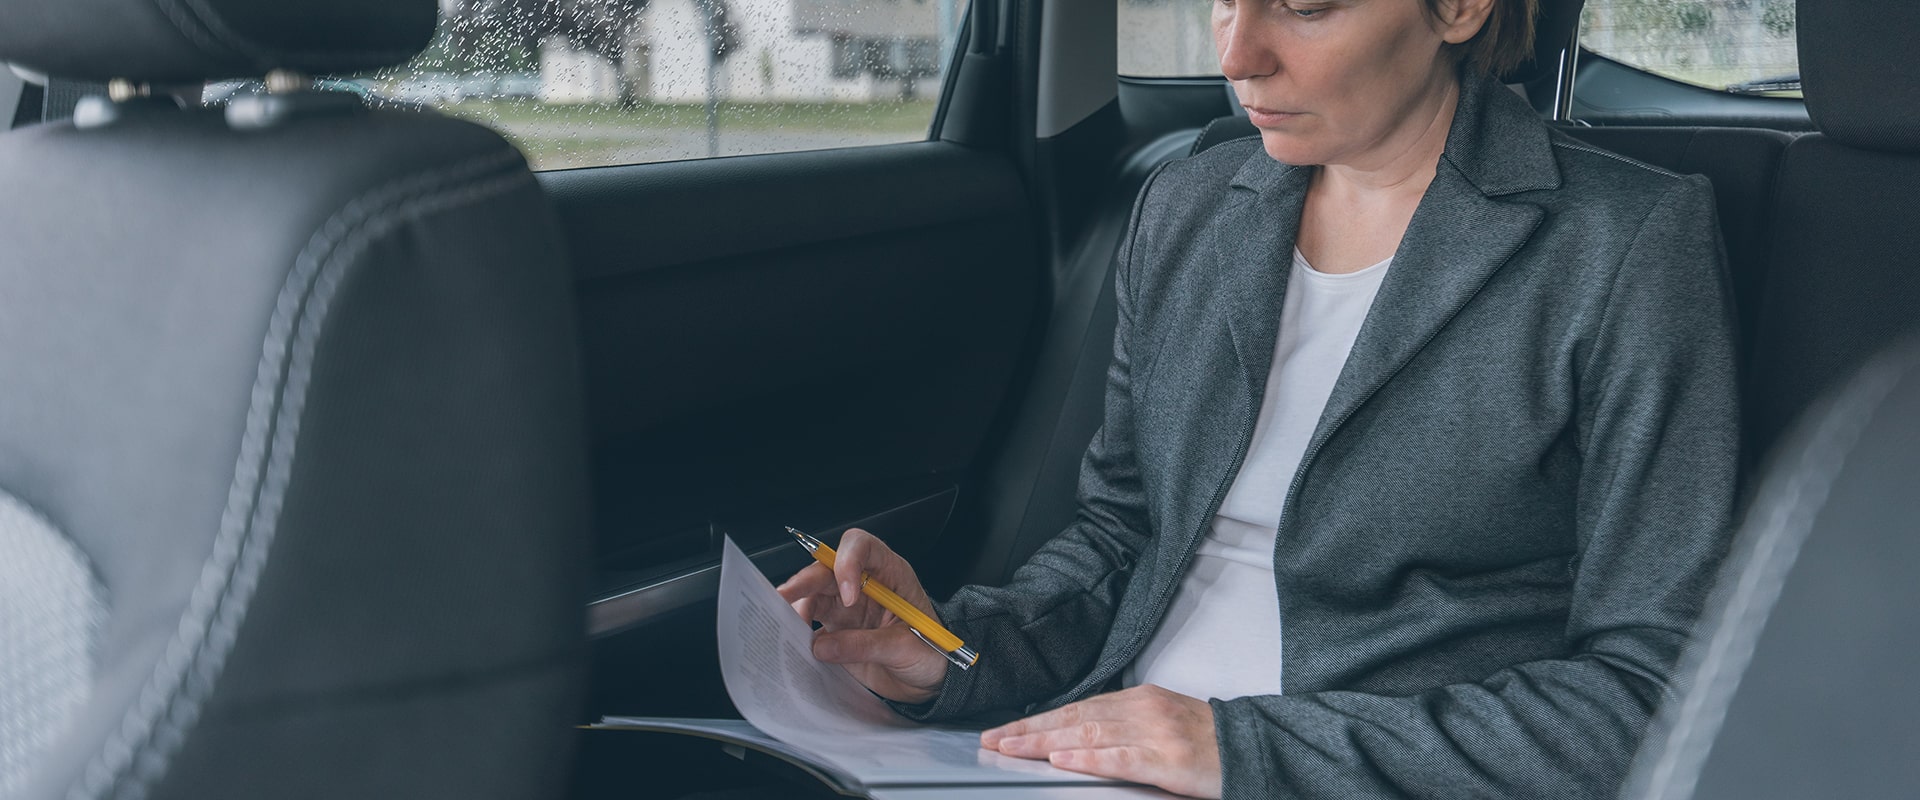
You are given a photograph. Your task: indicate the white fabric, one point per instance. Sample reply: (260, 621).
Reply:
(1221, 635)
(51, 610)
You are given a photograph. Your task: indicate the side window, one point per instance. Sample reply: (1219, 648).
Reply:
(580, 83)
(1741, 46)
(1167, 39)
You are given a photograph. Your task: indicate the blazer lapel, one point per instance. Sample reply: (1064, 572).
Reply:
(1460, 235)
(1455, 244)
(1243, 286)
(1253, 242)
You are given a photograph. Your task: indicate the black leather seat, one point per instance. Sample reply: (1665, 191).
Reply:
(1843, 272)
(291, 466)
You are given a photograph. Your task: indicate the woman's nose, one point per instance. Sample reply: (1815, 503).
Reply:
(1238, 36)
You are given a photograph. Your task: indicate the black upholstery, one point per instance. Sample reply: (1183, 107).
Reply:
(1842, 277)
(305, 395)
(183, 41)
(1801, 679)
(1029, 496)
(1856, 64)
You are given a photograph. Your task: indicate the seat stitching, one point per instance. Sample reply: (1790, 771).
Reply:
(153, 729)
(1617, 157)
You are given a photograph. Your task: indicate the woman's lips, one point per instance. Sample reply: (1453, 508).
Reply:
(1267, 117)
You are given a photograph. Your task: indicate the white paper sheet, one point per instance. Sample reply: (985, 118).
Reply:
(766, 659)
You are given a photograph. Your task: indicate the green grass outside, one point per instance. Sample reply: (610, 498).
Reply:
(587, 135)
(896, 117)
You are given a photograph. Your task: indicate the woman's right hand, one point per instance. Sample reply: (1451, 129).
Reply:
(860, 634)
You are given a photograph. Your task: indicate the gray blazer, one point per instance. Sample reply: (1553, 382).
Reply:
(1506, 519)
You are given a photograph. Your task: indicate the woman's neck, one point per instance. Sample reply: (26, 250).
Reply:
(1356, 213)
(1404, 163)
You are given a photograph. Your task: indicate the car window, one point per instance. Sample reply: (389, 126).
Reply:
(579, 83)
(1742, 46)
(1167, 39)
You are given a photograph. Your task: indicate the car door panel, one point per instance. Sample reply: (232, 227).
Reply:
(818, 339)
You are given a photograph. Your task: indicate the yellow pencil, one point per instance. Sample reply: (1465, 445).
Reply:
(923, 626)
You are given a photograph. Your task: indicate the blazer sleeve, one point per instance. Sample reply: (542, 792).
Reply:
(1658, 437)
(1042, 632)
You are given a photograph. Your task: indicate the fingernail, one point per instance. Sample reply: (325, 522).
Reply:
(846, 593)
(826, 650)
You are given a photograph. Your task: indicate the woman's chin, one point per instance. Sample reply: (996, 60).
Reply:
(1288, 149)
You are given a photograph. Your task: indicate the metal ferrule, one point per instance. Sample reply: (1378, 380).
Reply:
(962, 658)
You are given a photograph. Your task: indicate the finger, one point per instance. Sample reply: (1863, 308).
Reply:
(1183, 774)
(1064, 716)
(1087, 734)
(815, 579)
(1128, 763)
(851, 561)
(892, 647)
(825, 609)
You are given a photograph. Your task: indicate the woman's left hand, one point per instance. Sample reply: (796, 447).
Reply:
(1145, 734)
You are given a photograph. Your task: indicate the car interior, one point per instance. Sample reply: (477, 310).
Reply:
(342, 455)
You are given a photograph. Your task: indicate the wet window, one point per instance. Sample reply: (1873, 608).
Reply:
(580, 83)
(1743, 46)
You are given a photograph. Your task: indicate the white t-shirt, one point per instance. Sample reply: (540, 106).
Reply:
(1221, 635)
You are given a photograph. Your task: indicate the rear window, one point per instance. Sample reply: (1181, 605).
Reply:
(1167, 39)
(1744, 46)
(585, 83)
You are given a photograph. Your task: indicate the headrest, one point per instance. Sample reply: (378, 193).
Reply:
(1551, 32)
(1858, 71)
(188, 41)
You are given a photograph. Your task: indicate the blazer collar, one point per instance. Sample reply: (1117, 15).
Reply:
(1459, 236)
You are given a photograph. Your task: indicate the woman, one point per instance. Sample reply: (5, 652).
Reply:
(1429, 511)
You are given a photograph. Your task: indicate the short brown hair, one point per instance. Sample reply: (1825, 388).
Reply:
(1504, 42)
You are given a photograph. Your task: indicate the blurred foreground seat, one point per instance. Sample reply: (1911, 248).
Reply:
(291, 468)
(1801, 680)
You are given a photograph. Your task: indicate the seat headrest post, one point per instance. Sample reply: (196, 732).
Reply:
(1553, 33)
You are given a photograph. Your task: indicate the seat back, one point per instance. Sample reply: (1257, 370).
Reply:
(291, 462)
(1843, 277)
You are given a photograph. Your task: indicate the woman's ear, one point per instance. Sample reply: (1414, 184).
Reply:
(1460, 20)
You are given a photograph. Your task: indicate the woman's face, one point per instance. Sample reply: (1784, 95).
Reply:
(1348, 82)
